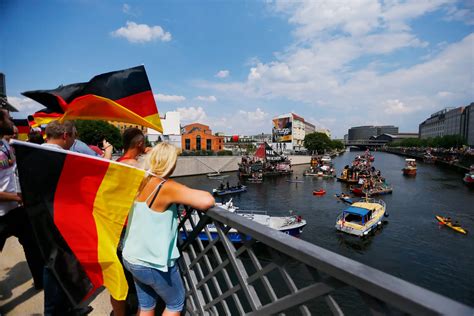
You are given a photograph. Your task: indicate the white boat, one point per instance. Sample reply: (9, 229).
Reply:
(326, 159)
(291, 225)
(362, 217)
(217, 176)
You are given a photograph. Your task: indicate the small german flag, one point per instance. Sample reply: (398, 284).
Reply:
(78, 206)
(123, 96)
(23, 128)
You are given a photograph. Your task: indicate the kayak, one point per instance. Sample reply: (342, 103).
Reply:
(319, 192)
(444, 221)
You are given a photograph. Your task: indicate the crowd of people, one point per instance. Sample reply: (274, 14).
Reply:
(148, 247)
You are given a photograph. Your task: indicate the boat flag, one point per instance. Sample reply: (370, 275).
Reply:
(123, 96)
(78, 205)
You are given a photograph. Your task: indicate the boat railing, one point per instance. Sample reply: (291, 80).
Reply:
(273, 273)
(251, 212)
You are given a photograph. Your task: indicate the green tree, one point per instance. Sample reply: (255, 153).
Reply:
(319, 142)
(93, 132)
(337, 144)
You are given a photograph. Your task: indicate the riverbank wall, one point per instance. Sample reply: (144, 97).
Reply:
(196, 165)
(462, 165)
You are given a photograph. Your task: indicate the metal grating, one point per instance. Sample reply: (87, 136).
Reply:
(273, 273)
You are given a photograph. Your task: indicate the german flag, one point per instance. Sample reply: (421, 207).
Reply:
(23, 128)
(123, 96)
(78, 206)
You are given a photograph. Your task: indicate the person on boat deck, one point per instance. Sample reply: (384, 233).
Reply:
(227, 185)
(133, 146)
(150, 252)
(221, 186)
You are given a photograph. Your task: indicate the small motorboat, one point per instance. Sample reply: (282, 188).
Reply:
(344, 198)
(361, 217)
(446, 221)
(291, 224)
(469, 177)
(380, 190)
(319, 192)
(410, 167)
(229, 190)
(294, 181)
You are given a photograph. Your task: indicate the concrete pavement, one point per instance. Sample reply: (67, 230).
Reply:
(17, 294)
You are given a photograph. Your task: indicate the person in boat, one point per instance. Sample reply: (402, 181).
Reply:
(221, 186)
(150, 252)
(456, 224)
(227, 185)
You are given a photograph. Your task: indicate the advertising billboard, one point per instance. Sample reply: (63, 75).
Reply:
(281, 132)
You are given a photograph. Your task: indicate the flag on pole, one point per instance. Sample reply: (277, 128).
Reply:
(123, 96)
(78, 205)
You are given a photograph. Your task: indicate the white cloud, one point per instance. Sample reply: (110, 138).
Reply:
(322, 68)
(25, 105)
(141, 33)
(169, 98)
(210, 98)
(192, 114)
(222, 74)
(396, 107)
(257, 115)
(126, 8)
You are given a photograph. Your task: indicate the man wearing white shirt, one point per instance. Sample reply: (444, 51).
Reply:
(13, 218)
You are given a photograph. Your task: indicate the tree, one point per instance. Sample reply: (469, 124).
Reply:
(317, 142)
(93, 132)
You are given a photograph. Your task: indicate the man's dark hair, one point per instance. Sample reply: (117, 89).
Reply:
(35, 137)
(6, 124)
(131, 137)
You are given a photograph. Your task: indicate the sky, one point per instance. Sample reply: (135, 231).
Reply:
(235, 65)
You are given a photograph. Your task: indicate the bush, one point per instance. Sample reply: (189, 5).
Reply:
(224, 153)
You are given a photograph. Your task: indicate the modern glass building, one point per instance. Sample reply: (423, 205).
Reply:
(365, 132)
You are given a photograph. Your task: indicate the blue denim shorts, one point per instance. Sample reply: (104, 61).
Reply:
(151, 283)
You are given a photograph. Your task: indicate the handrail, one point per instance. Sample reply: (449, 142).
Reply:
(380, 291)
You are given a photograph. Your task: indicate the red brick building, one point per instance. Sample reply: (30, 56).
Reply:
(199, 137)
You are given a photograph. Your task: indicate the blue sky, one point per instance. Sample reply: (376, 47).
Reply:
(236, 64)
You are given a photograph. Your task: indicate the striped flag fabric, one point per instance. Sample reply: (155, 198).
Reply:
(23, 128)
(78, 206)
(123, 96)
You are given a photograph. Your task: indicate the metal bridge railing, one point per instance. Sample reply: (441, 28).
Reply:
(273, 273)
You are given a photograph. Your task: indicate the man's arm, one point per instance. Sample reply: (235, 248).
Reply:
(7, 196)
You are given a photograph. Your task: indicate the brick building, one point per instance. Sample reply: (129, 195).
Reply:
(199, 137)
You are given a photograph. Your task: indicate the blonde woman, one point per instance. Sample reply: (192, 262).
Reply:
(150, 251)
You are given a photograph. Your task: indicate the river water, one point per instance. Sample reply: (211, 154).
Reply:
(411, 245)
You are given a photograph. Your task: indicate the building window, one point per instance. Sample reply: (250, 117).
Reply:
(187, 144)
(208, 144)
(198, 142)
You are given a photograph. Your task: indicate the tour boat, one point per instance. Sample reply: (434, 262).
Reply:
(346, 180)
(229, 190)
(319, 192)
(292, 225)
(449, 223)
(469, 177)
(410, 167)
(362, 217)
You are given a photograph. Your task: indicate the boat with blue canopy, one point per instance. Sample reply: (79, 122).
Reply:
(361, 217)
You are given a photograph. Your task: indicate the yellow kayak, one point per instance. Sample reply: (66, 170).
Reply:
(446, 222)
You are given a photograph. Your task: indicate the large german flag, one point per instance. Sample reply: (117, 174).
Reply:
(78, 206)
(123, 96)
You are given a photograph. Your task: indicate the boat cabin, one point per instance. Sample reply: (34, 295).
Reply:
(410, 162)
(357, 215)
